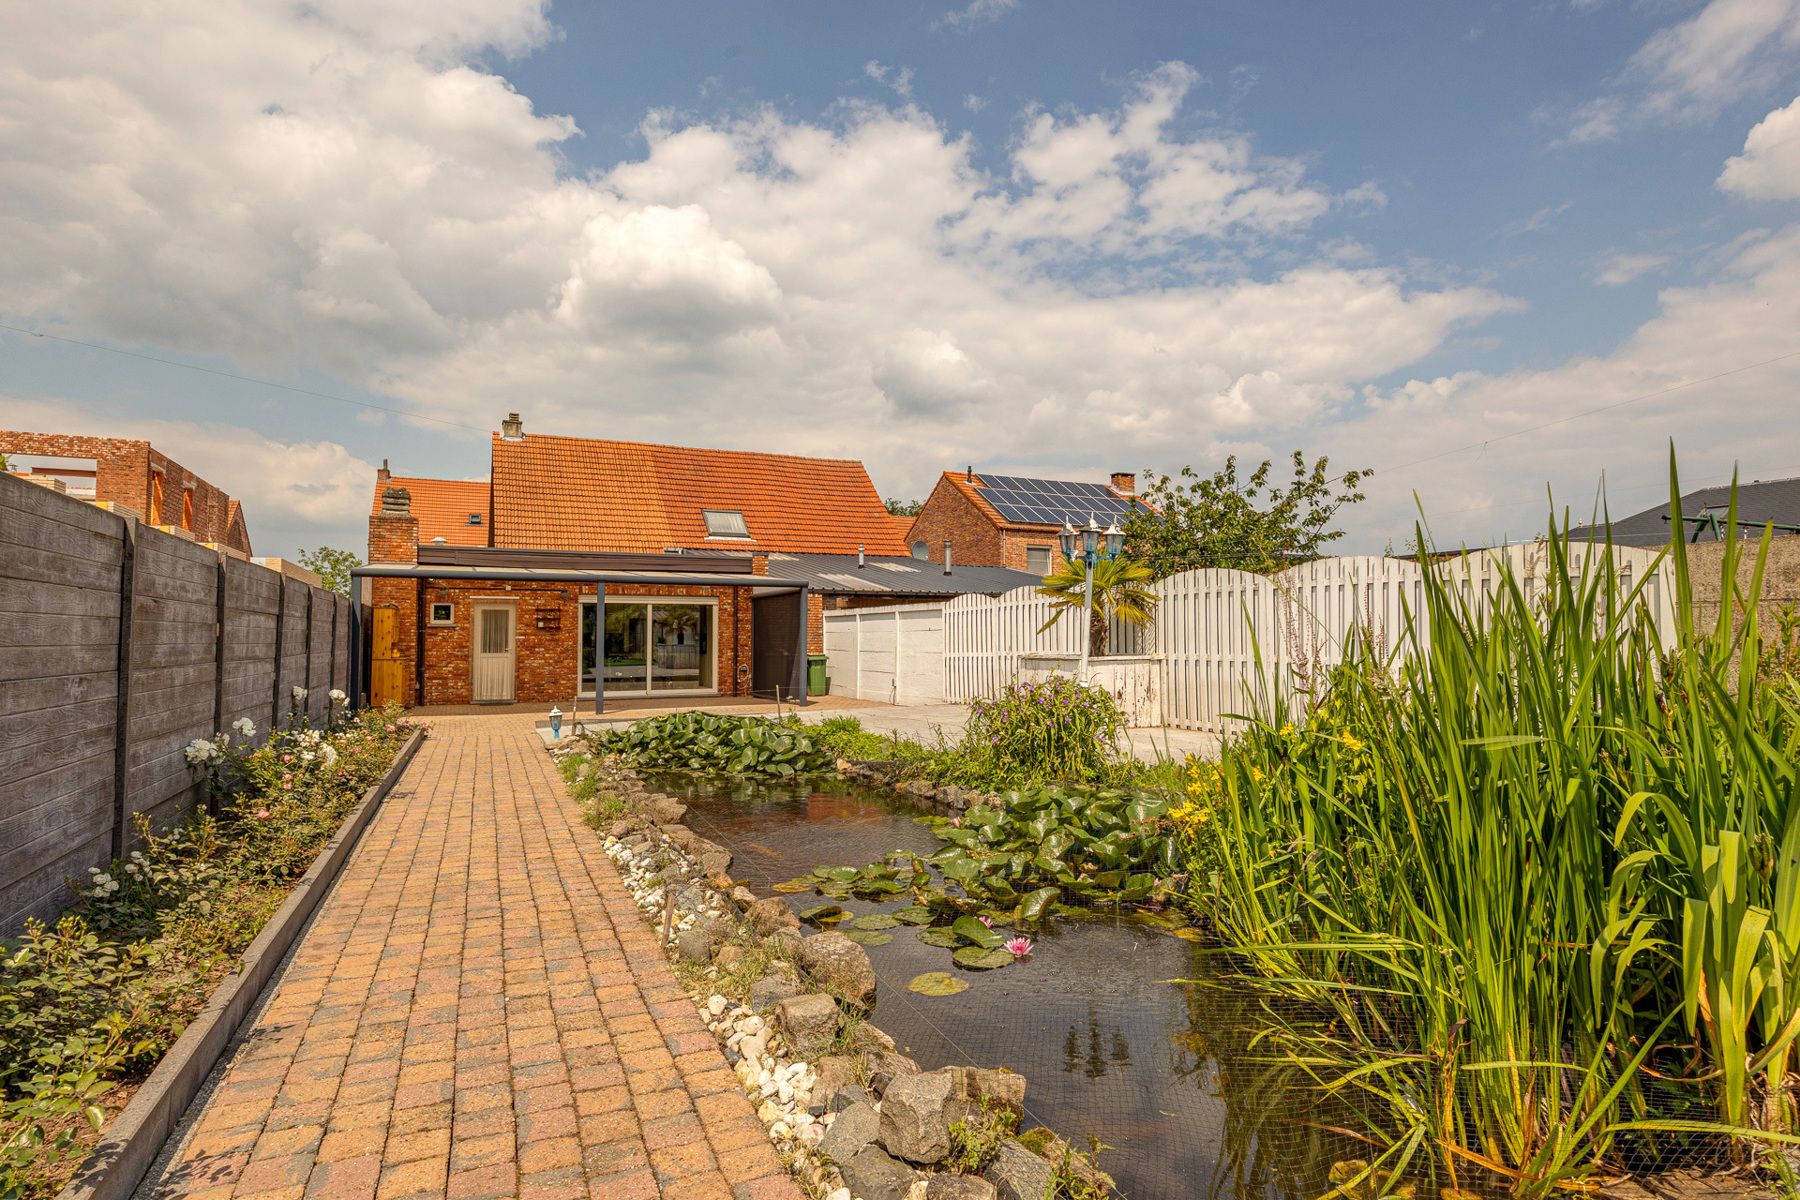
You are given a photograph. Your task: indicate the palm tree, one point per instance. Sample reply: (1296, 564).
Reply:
(1119, 590)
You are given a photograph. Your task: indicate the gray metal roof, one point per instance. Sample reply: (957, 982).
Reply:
(1760, 501)
(558, 575)
(881, 575)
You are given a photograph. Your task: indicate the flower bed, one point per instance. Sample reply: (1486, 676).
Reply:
(90, 1004)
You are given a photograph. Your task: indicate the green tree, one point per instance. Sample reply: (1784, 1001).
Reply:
(903, 508)
(1119, 590)
(331, 565)
(1225, 520)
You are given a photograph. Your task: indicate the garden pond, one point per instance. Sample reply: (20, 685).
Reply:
(1111, 1049)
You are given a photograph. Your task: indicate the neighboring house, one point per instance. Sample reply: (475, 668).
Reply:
(131, 475)
(585, 565)
(1012, 521)
(1760, 502)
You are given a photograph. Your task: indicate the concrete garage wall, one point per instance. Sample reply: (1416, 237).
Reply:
(120, 644)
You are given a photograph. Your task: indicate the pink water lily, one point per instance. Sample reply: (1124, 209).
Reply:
(1019, 947)
(988, 921)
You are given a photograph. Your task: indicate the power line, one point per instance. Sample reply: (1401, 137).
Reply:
(286, 387)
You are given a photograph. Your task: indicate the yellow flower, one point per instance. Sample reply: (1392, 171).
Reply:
(1256, 774)
(1287, 730)
(1350, 740)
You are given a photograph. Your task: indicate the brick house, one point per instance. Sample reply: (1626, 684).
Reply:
(587, 568)
(133, 475)
(1012, 521)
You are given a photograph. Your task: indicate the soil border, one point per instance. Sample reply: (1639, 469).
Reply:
(131, 1142)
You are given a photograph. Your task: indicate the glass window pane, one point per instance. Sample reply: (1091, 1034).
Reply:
(495, 626)
(681, 649)
(627, 636)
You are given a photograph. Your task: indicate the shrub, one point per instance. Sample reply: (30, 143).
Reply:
(709, 742)
(1044, 732)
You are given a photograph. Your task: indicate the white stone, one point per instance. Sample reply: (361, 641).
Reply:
(780, 1131)
(715, 1005)
(768, 1114)
(842, 1193)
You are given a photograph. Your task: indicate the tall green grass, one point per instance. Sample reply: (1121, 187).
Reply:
(1528, 889)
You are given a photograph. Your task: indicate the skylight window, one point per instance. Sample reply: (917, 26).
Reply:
(725, 523)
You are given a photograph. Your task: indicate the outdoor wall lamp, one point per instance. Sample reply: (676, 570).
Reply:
(1089, 545)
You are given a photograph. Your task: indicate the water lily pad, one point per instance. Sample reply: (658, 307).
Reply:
(837, 891)
(824, 913)
(867, 938)
(975, 958)
(916, 915)
(970, 929)
(875, 921)
(937, 983)
(805, 883)
(939, 937)
(836, 874)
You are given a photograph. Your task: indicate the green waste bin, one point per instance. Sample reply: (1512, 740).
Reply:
(816, 682)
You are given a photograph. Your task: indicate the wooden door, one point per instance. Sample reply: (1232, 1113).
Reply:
(387, 673)
(493, 653)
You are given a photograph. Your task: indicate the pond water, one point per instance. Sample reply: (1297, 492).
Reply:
(1109, 1047)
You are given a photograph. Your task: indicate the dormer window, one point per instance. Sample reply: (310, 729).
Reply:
(474, 518)
(725, 523)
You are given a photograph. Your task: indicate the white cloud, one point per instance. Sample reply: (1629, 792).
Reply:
(897, 79)
(1769, 167)
(976, 14)
(1622, 268)
(1690, 70)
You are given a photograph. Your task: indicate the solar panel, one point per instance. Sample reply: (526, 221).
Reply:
(1053, 501)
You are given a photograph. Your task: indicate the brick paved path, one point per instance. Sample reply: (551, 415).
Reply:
(479, 1011)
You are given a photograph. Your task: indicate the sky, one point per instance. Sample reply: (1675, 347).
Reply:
(1497, 253)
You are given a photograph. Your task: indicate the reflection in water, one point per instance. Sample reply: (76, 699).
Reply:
(1166, 1074)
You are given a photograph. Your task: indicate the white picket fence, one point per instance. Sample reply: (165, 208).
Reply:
(1225, 639)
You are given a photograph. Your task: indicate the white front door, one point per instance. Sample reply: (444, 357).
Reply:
(493, 653)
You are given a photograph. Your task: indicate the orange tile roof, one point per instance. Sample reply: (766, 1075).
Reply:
(902, 525)
(566, 493)
(443, 507)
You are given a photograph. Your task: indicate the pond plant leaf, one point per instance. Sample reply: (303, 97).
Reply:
(916, 915)
(939, 936)
(937, 983)
(867, 937)
(824, 912)
(970, 929)
(874, 921)
(976, 958)
(805, 883)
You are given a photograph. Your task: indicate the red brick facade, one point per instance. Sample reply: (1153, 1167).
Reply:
(140, 477)
(977, 539)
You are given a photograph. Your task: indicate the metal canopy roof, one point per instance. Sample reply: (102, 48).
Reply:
(566, 575)
(838, 573)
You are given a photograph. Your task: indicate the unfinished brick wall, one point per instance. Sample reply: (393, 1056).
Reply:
(127, 472)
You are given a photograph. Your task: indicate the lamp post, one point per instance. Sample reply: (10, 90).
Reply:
(1089, 545)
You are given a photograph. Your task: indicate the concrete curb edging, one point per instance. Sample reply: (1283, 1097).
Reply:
(131, 1143)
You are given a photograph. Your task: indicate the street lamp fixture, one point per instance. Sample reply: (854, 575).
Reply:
(1089, 545)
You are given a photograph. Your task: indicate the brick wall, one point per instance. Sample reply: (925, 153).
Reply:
(126, 471)
(548, 633)
(975, 540)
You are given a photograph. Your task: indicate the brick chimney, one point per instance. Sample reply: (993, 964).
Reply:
(382, 474)
(512, 429)
(394, 531)
(1125, 482)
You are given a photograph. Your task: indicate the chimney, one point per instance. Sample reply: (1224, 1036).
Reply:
(969, 474)
(859, 556)
(393, 530)
(382, 474)
(1125, 482)
(512, 429)
(946, 556)
(396, 502)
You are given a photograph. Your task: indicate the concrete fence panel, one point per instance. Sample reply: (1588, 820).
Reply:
(119, 645)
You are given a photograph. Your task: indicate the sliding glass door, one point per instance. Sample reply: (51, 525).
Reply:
(647, 647)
